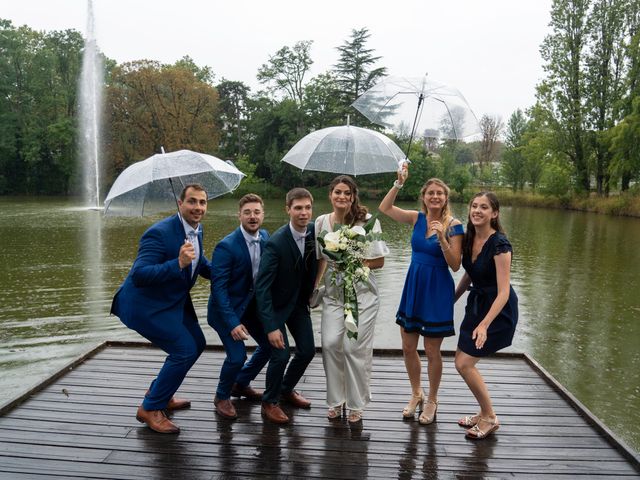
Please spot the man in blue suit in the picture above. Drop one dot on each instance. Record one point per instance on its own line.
(232, 305)
(154, 301)
(283, 287)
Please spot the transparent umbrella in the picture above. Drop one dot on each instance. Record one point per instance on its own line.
(152, 185)
(426, 107)
(347, 150)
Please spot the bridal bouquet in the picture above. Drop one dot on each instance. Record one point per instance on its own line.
(346, 247)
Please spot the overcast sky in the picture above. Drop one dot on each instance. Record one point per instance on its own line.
(488, 49)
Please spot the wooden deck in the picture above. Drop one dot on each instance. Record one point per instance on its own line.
(80, 424)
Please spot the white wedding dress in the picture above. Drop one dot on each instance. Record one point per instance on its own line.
(347, 362)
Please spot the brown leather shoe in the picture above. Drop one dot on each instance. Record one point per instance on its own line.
(273, 413)
(225, 408)
(248, 392)
(175, 403)
(178, 404)
(295, 399)
(156, 420)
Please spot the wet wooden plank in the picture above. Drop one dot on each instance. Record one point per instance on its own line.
(89, 431)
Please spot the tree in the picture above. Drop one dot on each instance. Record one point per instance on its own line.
(274, 127)
(38, 74)
(153, 105)
(233, 117)
(562, 93)
(355, 71)
(490, 129)
(321, 104)
(285, 71)
(513, 161)
(604, 79)
(624, 139)
(539, 145)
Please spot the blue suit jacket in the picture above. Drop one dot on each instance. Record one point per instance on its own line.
(231, 281)
(156, 290)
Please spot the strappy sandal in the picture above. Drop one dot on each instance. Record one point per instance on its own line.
(425, 418)
(414, 404)
(355, 416)
(469, 421)
(335, 412)
(476, 433)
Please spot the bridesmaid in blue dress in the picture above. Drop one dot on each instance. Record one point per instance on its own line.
(426, 306)
(492, 306)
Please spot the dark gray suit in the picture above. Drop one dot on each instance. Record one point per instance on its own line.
(283, 286)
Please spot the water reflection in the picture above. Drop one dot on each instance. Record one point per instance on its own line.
(345, 448)
(91, 243)
(479, 457)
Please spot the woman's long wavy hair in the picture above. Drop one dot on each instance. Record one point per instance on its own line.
(470, 235)
(357, 212)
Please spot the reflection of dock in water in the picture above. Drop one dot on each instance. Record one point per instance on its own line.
(81, 423)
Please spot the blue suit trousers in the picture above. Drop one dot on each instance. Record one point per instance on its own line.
(234, 369)
(184, 345)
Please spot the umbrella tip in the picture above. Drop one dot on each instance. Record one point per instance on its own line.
(162, 149)
(348, 119)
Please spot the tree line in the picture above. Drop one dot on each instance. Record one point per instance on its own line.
(581, 135)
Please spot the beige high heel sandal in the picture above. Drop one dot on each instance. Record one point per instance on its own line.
(414, 404)
(335, 412)
(477, 433)
(355, 416)
(425, 417)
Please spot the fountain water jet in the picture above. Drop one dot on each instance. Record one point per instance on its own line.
(91, 88)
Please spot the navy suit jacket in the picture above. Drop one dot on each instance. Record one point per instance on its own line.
(231, 281)
(156, 290)
(285, 278)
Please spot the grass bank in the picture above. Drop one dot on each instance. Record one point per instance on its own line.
(624, 204)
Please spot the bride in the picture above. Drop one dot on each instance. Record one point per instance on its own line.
(347, 362)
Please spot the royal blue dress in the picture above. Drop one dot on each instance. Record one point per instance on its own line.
(483, 291)
(426, 306)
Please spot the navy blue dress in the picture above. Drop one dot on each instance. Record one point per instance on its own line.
(482, 293)
(426, 306)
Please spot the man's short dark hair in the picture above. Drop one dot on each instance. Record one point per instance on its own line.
(195, 186)
(250, 198)
(298, 193)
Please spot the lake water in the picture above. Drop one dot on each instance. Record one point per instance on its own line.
(576, 275)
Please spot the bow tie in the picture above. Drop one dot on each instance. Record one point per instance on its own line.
(254, 242)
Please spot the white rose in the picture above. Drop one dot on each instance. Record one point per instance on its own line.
(331, 241)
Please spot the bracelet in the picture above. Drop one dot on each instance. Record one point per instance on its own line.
(397, 184)
(447, 249)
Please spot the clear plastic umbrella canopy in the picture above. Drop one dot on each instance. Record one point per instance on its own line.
(152, 185)
(345, 150)
(419, 106)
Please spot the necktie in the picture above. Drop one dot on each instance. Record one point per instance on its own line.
(254, 250)
(300, 238)
(193, 239)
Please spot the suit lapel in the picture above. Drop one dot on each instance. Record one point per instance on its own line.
(242, 245)
(295, 251)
